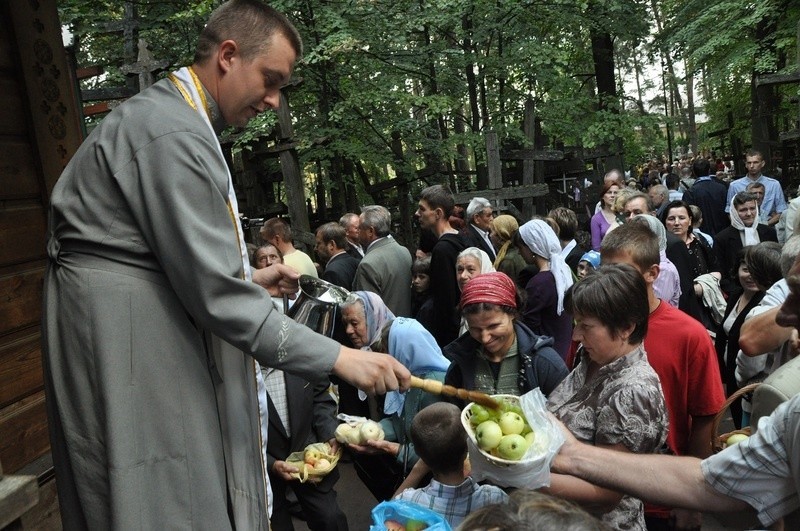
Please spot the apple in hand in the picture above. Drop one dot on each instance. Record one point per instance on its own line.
(736, 438)
(488, 434)
(511, 423)
(341, 432)
(512, 447)
(371, 431)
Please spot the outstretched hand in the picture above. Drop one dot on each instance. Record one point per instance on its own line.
(277, 279)
(561, 463)
(372, 372)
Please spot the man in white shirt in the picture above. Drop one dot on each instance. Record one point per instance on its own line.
(479, 216)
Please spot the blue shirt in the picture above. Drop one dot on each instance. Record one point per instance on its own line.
(454, 502)
(773, 195)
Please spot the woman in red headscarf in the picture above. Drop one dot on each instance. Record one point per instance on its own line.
(498, 354)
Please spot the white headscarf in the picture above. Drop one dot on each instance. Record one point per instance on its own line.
(486, 263)
(749, 234)
(542, 241)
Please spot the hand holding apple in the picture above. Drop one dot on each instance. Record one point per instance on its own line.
(285, 470)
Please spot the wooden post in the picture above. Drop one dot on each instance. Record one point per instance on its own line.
(528, 164)
(290, 166)
(494, 166)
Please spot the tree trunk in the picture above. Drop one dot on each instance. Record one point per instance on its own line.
(690, 107)
(603, 56)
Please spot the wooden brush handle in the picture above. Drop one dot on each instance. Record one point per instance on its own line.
(438, 388)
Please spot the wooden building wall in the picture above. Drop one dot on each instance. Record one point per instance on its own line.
(39, 131)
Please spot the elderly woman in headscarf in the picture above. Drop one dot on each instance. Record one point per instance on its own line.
(544, 310)
(382, 465)
(470, 263)
(667, 285)
(363, 315)
(745, 230)
(499, 354)
(508, 258)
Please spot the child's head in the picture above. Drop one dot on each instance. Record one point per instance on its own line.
(588, 264)
(421, 274)
(439, 438)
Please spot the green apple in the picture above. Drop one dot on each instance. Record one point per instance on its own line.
(415, 525)
(479, 414)
(512, 447)
(511, 423)
(736, 438)
(529, 437)
(488, 434)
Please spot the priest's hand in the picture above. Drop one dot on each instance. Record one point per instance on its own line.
(277, 279)
(371, 372)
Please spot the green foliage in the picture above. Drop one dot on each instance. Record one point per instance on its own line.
(376, 71)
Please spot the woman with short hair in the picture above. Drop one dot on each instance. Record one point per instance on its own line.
(613, 398)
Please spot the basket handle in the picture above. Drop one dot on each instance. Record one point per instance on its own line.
(730, 400)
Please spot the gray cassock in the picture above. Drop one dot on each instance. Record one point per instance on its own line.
(152, 424)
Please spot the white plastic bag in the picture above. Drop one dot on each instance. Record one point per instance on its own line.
(533, 470)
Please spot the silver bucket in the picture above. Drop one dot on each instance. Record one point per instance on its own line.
(317, 306)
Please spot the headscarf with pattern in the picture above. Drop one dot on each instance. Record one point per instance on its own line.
(376, 314)
(492, 288)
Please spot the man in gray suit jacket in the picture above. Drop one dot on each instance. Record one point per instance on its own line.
(386, 266)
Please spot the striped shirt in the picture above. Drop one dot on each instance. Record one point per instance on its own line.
(454, 502)
(764, 470)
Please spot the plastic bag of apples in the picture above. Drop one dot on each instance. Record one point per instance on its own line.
(315, 461)
(400, 515)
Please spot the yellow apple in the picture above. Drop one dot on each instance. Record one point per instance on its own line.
(736, 438)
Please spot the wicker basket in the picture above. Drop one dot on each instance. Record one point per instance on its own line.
(718, 440)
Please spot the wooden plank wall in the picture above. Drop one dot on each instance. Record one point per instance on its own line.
(39, 131)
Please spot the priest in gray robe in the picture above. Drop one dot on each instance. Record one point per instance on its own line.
(152, 321)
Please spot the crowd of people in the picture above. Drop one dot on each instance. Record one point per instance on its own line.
(635, 344)
(177, 388)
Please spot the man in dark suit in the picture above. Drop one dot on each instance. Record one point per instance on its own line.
(710, 196)
(479, 216)
(350, 222)
(300, 414)
(340, 267)
(386, 266)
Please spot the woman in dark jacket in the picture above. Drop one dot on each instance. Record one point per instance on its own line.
(499, 355)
